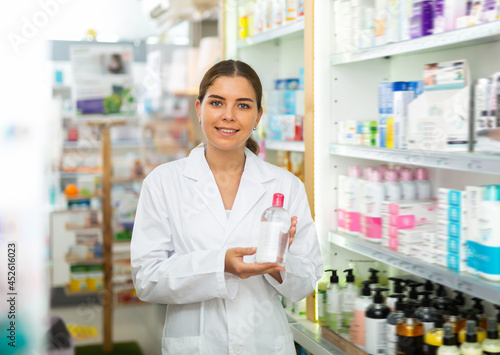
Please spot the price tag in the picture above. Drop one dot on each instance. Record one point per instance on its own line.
(475, 165)
(419, 270)
(443, 162)
(465, 286)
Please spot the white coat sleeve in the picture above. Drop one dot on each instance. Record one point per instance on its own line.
(160, 275)
(304, 264)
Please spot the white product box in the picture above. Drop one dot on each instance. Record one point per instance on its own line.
(475, 195)
(415, 207)
(441, 245)
(452, 197)
(453, 213)
(452, 229)
(440, 258)
(393, 231)
(456, 262)
(429, 238)
(411, 236)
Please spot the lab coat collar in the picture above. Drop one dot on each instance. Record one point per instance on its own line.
(255, 173)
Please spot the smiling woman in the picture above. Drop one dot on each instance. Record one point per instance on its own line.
(197, 225)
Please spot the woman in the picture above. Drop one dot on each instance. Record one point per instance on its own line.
(197, 225)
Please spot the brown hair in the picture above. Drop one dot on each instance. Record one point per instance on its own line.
(233, 68)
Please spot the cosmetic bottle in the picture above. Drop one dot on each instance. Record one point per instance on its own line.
(357, 331)
(491, 345)
(457, 322)
(429, 287)
(480, 333)
(333, 303)
(410, 333)
(424, 188)
(398, 289)
(408, 186)
(488, 247)
(412, 302)
(374, 283)
(349, 294)
(459, 301)
(321, 301)
(449, 346)
(433, 338)
(352, 193)
(477, 313)
(392, 187)
(373, 197)
(425, 313)
(441, 302)
(392, 319)
(471, 346)
(376, 324)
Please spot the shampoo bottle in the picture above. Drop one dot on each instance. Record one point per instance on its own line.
(455, 320)
(374, 284)
(373, 196)
(412, 302)
(489, 232)
(477, 313)
(410, 332)
(321, 301)
(442, 303)
(349, 294)
(392, 319)
(491, 345)
(433, 338)
(425, 313)
(459, 301)
(424, 188)
(333, 303)
(398, 289)
(357, 331)
(471, 345)
(376, 324)
(392, 187)
(449, 346)
(408, 186)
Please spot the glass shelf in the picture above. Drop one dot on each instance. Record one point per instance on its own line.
(464, 161)
(483, 33)
(288, 29)
(292, 146)
(470, 284)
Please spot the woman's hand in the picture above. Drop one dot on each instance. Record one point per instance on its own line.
(293, 229)
(235, 265)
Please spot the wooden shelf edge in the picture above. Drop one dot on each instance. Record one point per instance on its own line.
(339, 341)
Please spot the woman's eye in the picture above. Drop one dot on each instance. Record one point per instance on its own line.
(215, 103)
(244, 105)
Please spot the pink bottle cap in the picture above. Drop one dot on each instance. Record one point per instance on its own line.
(406, 175)
(354, 171)
(391, 176)
(367, 172)
(278, 200)
(420, 174)
(375, 176)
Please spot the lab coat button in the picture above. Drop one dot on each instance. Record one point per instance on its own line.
(238, 349)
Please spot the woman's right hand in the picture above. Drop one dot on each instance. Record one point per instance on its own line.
(235, 265)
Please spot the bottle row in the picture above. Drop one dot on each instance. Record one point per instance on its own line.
(408, 321)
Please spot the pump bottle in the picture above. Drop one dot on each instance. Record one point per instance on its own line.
(442, 303)
(352, 193)
(321, 301)
(491, 345)
(455, 320)
(477, 313)
(373, 197)
(449, 346)
(376, 324)
(392, 319)
(471, 345)
(398, 289)
(429, 287)
(349, 294)
(459, 301)
(374, 283)
(434, 338)
(410, 332)
(357, 333)
(333, 303)
(412, 302)
(425, 313)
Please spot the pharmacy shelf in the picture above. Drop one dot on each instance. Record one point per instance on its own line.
(278, 32)
(72, 260)
(124, 144)
(483, 33)
(292, 146)
(463, 161)
(472, 285)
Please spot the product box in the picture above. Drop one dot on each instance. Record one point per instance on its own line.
(452, 197)
(294, 102)
(429, 238)
(487, 125)
(422, 21)
(413, 207)
(456, 246)
(452, 229)
(402, 99)
(292, 127)
(456, 262)
(475, 195)
(453, 213)
(341, 203)
(393, 231)
(286, 84)
(411, 221)
(441, 244)
(411, 235)
(275, 127)
(441, 258)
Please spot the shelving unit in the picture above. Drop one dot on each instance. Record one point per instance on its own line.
(288, 29)
(292, 146)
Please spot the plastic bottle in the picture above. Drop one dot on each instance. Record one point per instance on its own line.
(477, 313)
(433, 338)
(429, 287)
(459, 301)
(410, 333)
(374, 283)
(392, 187)
(412, 302)
(480, 333)
(273, 238)
(376, 324)
(471, 345)
(408, 186)
(357, 333)
(449, 346)
(442, 303)
(398, 289)
(333, 303)
(382, 170)
(392, 319)
(489, 232)
(321, 302)
(352, 192)
(457, 322)
(349, 294)
(373, 197)
(492, 344)
(425, 313)
(424, 187)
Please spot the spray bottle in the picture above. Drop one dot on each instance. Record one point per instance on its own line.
(491, 345)
(333, 303)
(449, 346)
(349, 294)
(357, 333)
(398, 289)
(376, 324)
(471, 345)
(392, 319)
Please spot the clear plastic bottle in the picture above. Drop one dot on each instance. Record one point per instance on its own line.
(392, 319)
(392, 187)
(449, 346)
(424, 187)
(349, 294)
(408, 186)
(333, 303)
(274, 233)
(471, 345)
(491, 345)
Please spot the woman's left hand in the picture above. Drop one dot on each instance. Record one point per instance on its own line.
(293, 229)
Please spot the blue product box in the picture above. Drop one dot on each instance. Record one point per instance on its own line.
(457, 214)
(452, 229)
(455, 245)
(275, 127)
(301, 78)
(452, 197)
(286, 84)
(453, 262)
(290, 102)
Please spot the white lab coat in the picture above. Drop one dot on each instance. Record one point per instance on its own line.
(181, 233)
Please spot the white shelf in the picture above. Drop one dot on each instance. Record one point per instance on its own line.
(472, 285)
(124, 144)
(292, 146)
(483, 33)
(287, 29)
(463, 161)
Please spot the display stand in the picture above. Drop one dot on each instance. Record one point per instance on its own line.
(107, 232)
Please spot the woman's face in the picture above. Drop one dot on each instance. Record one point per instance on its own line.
(229, 113)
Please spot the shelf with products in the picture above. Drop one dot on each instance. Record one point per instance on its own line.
(287, 29)
(463, 161)
(291, 146)
(473, 35)
(469, 284)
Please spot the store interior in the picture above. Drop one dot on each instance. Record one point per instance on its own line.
(368, 103)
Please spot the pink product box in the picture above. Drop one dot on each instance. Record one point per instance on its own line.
(393, 231)
(372, 228)
(341, 218)
(413, 207)
(353, 222)
(411, 221)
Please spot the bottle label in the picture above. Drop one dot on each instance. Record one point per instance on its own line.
(273, 241)
(348, 299)
(484, 258)
(333, 301)
(376, 336)
(392, 339)
(410, 345)
(320, 299)
(357, 330)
